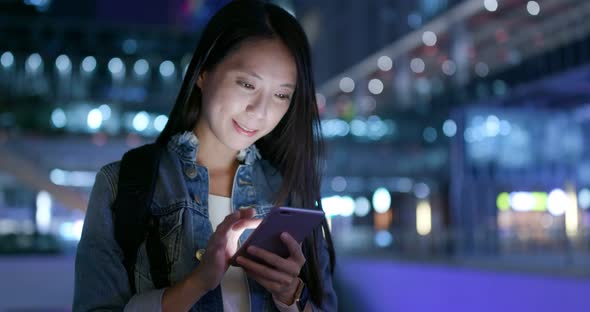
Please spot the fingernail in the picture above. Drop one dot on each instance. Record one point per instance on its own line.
(251, 249)
(283, 235)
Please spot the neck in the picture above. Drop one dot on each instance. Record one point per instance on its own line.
(215, 156)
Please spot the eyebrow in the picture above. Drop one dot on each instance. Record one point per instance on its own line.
(255, 75)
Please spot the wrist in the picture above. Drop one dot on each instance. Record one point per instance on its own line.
(290, 297)
(184, 294)
(197, 282)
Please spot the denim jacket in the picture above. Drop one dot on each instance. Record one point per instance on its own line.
(181, 202)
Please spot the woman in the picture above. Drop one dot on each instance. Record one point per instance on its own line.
(244, 132)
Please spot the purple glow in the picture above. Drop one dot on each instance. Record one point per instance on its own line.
(393, 286)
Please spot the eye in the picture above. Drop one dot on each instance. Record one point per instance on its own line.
(283, 96)
(246, 85)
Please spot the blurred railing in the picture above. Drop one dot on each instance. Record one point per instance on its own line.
(559, 256)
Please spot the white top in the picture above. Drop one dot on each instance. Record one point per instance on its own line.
(234, 285)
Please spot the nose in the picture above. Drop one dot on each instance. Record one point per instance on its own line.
(258, 107)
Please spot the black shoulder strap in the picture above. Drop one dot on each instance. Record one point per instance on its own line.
(133, 220)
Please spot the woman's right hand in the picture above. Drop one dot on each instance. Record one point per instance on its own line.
(222, 245)
(208, 275)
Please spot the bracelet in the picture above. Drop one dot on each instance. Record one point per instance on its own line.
(301, 296)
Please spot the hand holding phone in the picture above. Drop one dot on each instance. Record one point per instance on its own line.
(299, 223)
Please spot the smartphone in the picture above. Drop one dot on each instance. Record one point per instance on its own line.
(299, 223)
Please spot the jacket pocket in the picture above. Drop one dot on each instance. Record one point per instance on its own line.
(170, 229)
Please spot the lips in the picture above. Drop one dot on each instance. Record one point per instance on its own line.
(243, 130)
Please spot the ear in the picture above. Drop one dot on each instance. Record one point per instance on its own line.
(200, 79)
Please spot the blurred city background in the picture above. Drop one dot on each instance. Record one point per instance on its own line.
(458, 175)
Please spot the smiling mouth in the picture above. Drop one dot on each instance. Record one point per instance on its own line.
(243, 130)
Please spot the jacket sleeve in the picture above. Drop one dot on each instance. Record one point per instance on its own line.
(330, 300)
(101, 282)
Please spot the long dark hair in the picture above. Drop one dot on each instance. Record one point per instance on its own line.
(295, 146)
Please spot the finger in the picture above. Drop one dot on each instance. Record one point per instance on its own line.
(265, 271)
(243, 224)
(228, 222)
(294, 248)
(281, 264)
(246, 213)
(268, 284)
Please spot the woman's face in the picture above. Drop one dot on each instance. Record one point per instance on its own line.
(246, 94)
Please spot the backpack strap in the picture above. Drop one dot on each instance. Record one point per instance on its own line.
(133, 220)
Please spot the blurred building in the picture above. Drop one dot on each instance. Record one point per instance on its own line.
(456, 131)
(454, 128)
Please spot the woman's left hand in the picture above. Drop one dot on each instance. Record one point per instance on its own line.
(278, 275)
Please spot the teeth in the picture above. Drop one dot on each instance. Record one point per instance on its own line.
(245, 128)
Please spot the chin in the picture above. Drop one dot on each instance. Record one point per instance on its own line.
(239, 145)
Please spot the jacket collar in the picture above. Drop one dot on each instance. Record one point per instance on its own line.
(186, 145)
